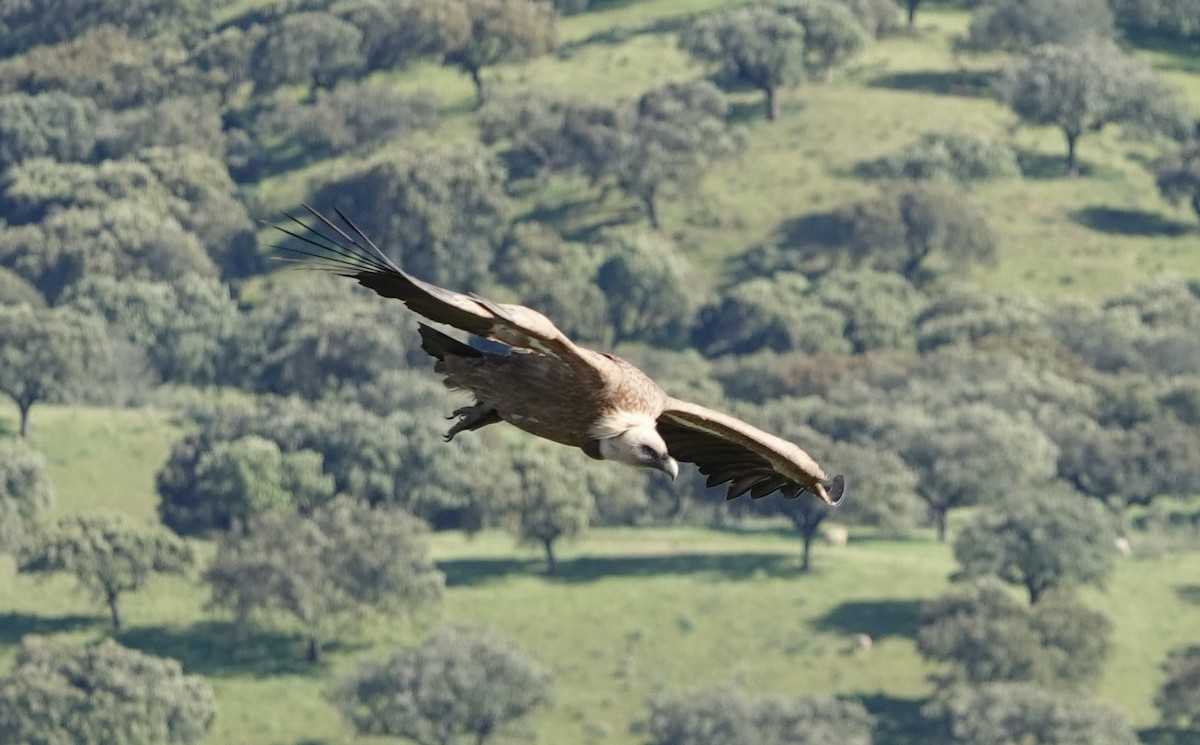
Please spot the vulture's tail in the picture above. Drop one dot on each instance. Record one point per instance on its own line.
(437, 345)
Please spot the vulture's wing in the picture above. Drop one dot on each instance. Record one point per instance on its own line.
(728, 449)
(347, 251)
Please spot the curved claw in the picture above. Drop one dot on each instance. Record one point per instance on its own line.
(831, 493)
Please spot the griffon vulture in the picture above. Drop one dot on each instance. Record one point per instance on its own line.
(540, 381)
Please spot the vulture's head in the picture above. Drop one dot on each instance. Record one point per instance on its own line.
(640, 446)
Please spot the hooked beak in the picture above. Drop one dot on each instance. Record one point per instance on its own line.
(669, 466)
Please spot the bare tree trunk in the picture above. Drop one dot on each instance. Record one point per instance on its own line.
(939, 520)
(651, 210)
(23, 427)
(480, 94)
(912, 12)
(807, 537)
(1072, 165)
(772, 103)
(551, 562)
(314, 649)
(114, 609)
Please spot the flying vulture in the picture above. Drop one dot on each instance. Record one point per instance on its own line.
(539, 381)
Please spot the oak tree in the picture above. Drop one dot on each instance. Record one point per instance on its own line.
(1084, 87)
(101, 694)
(321, 568)
(108, 553)
(25, 494)
(1003, 713)
(1179, 698)
(1039, 542)
(756, 46)
(987, 635)
(1178, 175)
(45, 355)
(459, 683)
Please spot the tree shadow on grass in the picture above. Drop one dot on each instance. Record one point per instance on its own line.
(809, 244)
(473, 572)
(617, 35)
(1128, 222)
(583, 218)
(477, 572)
(13, 626)
(1188, 593)
(825, 230)
(741, 112)
(1046, 166)
(217, 648)
(727, 566)
(1177, 54)
(1168, 736)
(876, 618)
(971, 83)
(898, 721)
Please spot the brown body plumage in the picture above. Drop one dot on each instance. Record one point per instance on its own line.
(548, 386)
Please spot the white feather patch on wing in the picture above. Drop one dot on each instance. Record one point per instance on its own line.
(617, 423)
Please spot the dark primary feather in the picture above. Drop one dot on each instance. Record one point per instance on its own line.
(344, 255)
(351, 253)
(721, 461)
(726, 449)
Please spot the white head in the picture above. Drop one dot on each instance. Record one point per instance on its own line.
(641, 446)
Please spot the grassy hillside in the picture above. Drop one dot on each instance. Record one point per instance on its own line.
(1086, 237)
(635, 612)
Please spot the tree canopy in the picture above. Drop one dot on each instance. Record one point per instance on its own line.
(183, 327)
(1178, 175)
(459, 683)
(1003, 713)
(52, 124)
(441, 212)
(832, 34)
(25, 494)
(1179, 698)
(987, 635)
(313, 49)
(1021, 25)
(732, 716)
(101, 694)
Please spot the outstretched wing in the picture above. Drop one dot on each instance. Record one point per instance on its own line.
(728, 449)
(346, 250)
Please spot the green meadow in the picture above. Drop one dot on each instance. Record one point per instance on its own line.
(634, 612)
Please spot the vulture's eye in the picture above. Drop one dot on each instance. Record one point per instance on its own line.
(649, 452)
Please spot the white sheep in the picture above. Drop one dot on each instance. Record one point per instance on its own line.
(836, 536)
